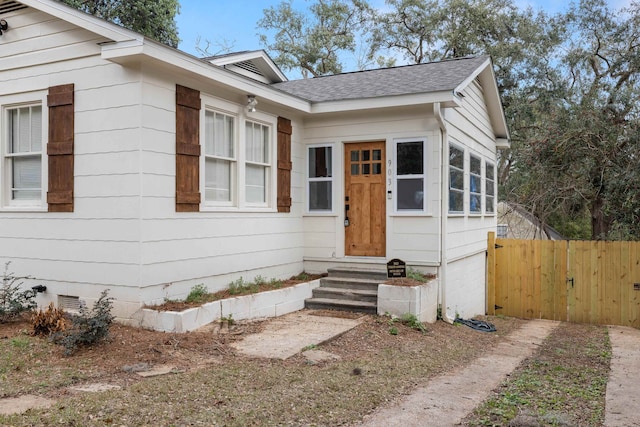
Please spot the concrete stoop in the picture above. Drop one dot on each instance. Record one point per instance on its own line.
(348, 289)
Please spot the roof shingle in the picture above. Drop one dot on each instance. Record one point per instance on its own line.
(405, 80)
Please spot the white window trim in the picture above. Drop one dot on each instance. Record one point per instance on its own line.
(481, 193)
(332, 179)
(488, 164)
(16, 101)
(464, 180)
(240, 115)
(426, 206)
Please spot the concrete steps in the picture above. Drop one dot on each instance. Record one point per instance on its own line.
(348, 289)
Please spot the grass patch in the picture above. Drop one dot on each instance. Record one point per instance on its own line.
(564, 383)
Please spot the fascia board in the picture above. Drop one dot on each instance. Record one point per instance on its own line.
(83, 20)
(494, 104)
(446, 98)
(148, 50)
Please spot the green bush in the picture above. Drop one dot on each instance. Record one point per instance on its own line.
(88, 327)
(197, 294)
(14, 301)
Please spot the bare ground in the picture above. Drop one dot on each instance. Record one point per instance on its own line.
(212, 385)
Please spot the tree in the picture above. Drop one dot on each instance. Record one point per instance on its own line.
(313, 41)
(582, 148)
(153, 18)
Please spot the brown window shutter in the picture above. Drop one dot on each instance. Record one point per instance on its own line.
(187, 149)
(284, 165)
(60, 148)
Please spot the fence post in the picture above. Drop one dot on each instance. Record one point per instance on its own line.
(491, 274)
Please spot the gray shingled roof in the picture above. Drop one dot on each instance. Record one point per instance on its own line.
(405, 80)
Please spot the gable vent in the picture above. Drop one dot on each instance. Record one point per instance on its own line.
(69, 303)
(10, 6)
(249, 66)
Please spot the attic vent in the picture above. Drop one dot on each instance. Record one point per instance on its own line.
(10, 6)
(69, 303)
(249, 66)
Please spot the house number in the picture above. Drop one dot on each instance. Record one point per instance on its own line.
(389, 173)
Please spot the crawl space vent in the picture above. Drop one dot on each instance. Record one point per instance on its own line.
(10, 6)
(69, 303)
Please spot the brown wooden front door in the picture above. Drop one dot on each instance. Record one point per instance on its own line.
(365, 203)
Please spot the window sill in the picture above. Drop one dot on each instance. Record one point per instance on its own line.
(456, 215)
(411, 214)
(319, 213)
(25, 209)
(235, 209)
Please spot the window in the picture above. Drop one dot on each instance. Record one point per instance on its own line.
(410, 175)
(320, 177)
(257, 162)
(475, 184)
(503, 229)
(489, 197)
(237, 169)
(456, 180)
(220, 161)
(23, 155)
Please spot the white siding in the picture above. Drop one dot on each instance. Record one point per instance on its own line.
(413, 238)
(181, 249)
(99, 242)
(465, 288)
(469, 127)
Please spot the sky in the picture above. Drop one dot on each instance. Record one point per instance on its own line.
(233, 22)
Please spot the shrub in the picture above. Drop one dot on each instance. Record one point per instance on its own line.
(14, 301)
(239, 286)
(48, 322)
(88, 327)
(197, 294)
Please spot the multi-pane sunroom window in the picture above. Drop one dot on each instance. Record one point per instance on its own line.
(490, 188)
(220, 161)
(456, 180)
(475, 184)
(23, 158)
(257, 162)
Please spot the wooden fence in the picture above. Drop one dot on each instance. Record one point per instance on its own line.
(575, 281)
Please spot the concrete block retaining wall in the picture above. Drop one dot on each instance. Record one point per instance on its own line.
(421, 301)
(255, 306)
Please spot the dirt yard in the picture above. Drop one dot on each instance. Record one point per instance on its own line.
(376, 363)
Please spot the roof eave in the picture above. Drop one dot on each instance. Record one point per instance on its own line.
(157, 53)
(84, 20)
(487, 78)
(445, 98)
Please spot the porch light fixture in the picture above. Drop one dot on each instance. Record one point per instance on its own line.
(251, 103)
(3, 26)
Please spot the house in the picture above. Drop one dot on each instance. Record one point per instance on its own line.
(132, 166)
(515, 222)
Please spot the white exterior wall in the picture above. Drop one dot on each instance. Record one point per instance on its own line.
(413, 237)
(214, 246)
(465, 291)
(97, 246)
(124, 234)
(469, 127)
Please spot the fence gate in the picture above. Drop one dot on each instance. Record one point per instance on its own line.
(576, 281)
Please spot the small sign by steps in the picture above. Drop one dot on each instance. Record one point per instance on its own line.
(396, 268)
